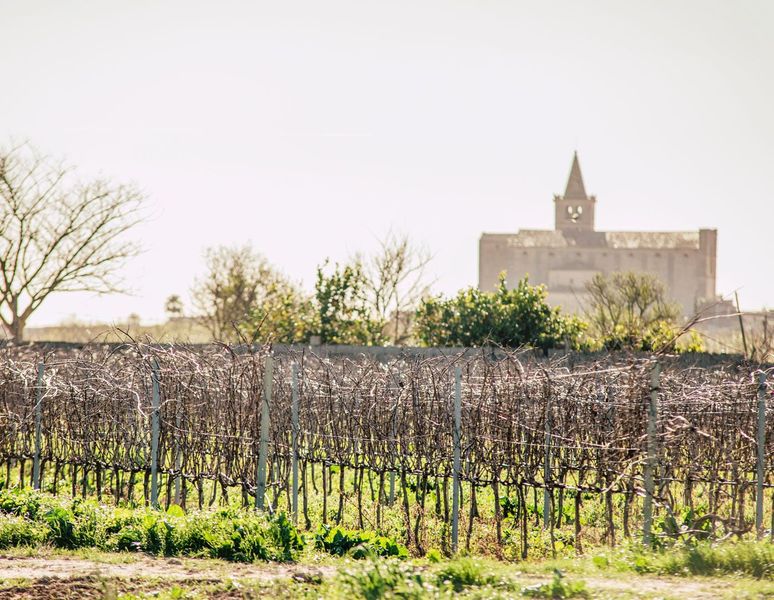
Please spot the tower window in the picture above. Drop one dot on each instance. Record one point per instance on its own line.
(574, 213)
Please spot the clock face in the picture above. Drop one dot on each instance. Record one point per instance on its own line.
(574, 213)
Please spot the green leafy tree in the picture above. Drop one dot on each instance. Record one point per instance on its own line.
(505, 317)
(631, 311)
(342, 312)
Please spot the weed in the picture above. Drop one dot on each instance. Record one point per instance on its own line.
(558, 587)
(382, 578)
(464, 572)
(358, 544)
(239, 535)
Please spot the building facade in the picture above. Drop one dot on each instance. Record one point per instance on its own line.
(567, 257)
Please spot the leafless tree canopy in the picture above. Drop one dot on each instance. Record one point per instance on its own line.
(628, 300)
(396, 281)
(236, 280)
(58, 234)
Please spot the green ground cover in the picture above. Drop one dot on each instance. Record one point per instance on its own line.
(238, 553)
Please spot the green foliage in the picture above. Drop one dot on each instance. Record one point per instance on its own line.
(230, 534)
(384, 579)
(559, 587)
(749, 558)
(434, 556)
(20, 531)
(20, 502)
(343, 314)
(630, 311)
(284, 315)
(508, 506)
(61, 526)
(241, 295)
(358, 544)
(688, 523)
(505, 317)
(390, 578)
(464, 572)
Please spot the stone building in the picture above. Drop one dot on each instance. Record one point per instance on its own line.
(568, 256)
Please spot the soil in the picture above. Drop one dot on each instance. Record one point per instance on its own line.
(75, 577)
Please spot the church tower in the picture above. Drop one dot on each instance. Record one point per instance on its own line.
(575, 210)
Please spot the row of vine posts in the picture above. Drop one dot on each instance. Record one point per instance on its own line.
(260, 432)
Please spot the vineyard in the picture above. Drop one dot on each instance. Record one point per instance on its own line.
(507, 454)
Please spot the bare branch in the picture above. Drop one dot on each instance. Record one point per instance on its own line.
(58, 234)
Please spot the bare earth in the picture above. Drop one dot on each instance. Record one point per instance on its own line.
(76, 577)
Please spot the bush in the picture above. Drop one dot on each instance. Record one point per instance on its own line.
(504, 317)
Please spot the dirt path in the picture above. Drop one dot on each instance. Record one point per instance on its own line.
(149, 567)
(64, 576)
(74, 577)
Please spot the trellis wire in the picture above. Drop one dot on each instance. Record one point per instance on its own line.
(517, 422)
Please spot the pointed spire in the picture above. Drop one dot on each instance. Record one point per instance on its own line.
(575, 189)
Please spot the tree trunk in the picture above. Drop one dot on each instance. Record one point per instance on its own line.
(16, 328)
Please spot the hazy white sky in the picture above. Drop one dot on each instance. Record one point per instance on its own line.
(312, 128)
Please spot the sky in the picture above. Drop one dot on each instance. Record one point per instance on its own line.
(312, 129)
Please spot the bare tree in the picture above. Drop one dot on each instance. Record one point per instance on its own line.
(396, 282)
(625, 306)
(58, 234)
(236, 282)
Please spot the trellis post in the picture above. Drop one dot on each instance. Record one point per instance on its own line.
(650, 462)
(38, 417)
(391, 495)
(456, 435)
(155, 417)
(178, 457)
(761, 454)
(263, 448)
(547, 467)
(294, 415)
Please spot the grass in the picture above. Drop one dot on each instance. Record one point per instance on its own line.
(747, 558)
